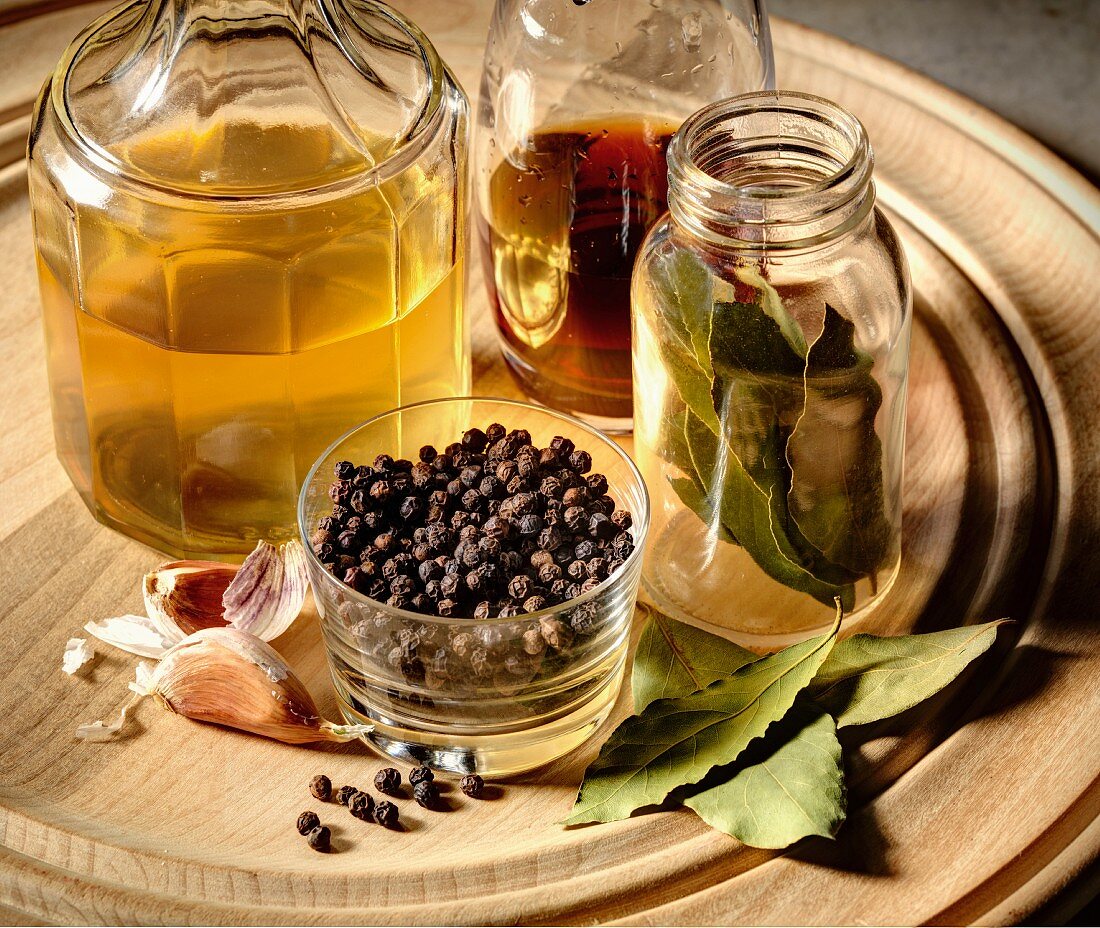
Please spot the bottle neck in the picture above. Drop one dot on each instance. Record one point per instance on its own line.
(187, 15)
(770, 171)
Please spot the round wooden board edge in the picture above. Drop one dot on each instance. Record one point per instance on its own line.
(1059, 179)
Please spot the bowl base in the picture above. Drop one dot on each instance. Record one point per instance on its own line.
(493, 755)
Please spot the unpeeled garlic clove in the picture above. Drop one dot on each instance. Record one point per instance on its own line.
(263, 596)
(182, 597)
(229, 677)
(268, 591)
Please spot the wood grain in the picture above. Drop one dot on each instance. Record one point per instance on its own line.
(977, 809)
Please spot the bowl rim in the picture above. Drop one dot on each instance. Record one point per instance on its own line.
(640, 520)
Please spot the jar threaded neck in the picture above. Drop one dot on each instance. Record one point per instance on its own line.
(773, 170)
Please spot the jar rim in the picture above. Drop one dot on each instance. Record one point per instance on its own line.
(418, 136)
(857, 165)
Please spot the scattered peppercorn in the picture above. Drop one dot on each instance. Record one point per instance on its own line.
(361, 805)
(421, 775)
(426, 794)
(344, 794)
(321, 787)
(472, 785)
(388, 781)
(386, 814)
(307, 821)
(320, 838)
(475, 530)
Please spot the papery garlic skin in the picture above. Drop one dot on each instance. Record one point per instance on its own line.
(77, 654)
(185, 596)
(229, 677)
(137, 634)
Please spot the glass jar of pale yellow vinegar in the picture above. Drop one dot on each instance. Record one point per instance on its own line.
(771, 315)
(250, 229)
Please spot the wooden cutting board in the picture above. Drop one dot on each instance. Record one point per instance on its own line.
(976, 808)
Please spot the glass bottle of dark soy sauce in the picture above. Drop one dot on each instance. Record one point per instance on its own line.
(578, 105)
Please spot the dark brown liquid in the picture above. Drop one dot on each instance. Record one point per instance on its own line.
(567, 217)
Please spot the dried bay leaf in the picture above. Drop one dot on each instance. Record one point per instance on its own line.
(787, 783)
(788, 786)
(684, 288)
(836, 493)
(676, 742)
(771, 303)
(675, 659)
(867, 678)
(738, 401)
(755, 513)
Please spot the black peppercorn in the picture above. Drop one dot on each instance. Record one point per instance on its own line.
(388, 781)
(474, 440)
(307, 821)
(574, 497)
(533, 642)
(426, 794)
(421, 774)
(548, 459)
(623, 545)
(549, 538)
(597, 484)
(411, 507)
(361, 805)
(580, 461)
(319, 838)
(385, 813)
(344, 794)
(601, 527)
(555, 632)
(321, 787)
(563, 446)
(430, 570)
(521, 587)
(549, 573)
(535, 603)
(472, 785)
(529, 525)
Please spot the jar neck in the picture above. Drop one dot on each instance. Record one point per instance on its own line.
(770, 171)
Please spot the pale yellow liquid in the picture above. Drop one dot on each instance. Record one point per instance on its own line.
(201, 360)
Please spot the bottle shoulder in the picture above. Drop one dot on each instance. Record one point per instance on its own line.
(235, 102)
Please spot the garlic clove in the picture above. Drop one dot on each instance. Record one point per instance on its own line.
(137, 634)
(77, 654)
(269, 590)
(183, 596)
(229, 677)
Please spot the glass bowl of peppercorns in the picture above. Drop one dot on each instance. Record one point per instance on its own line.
(475, 564)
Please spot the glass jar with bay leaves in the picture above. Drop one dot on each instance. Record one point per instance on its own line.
(771, 315)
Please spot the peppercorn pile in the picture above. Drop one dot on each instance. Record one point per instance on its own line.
(490, 527)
